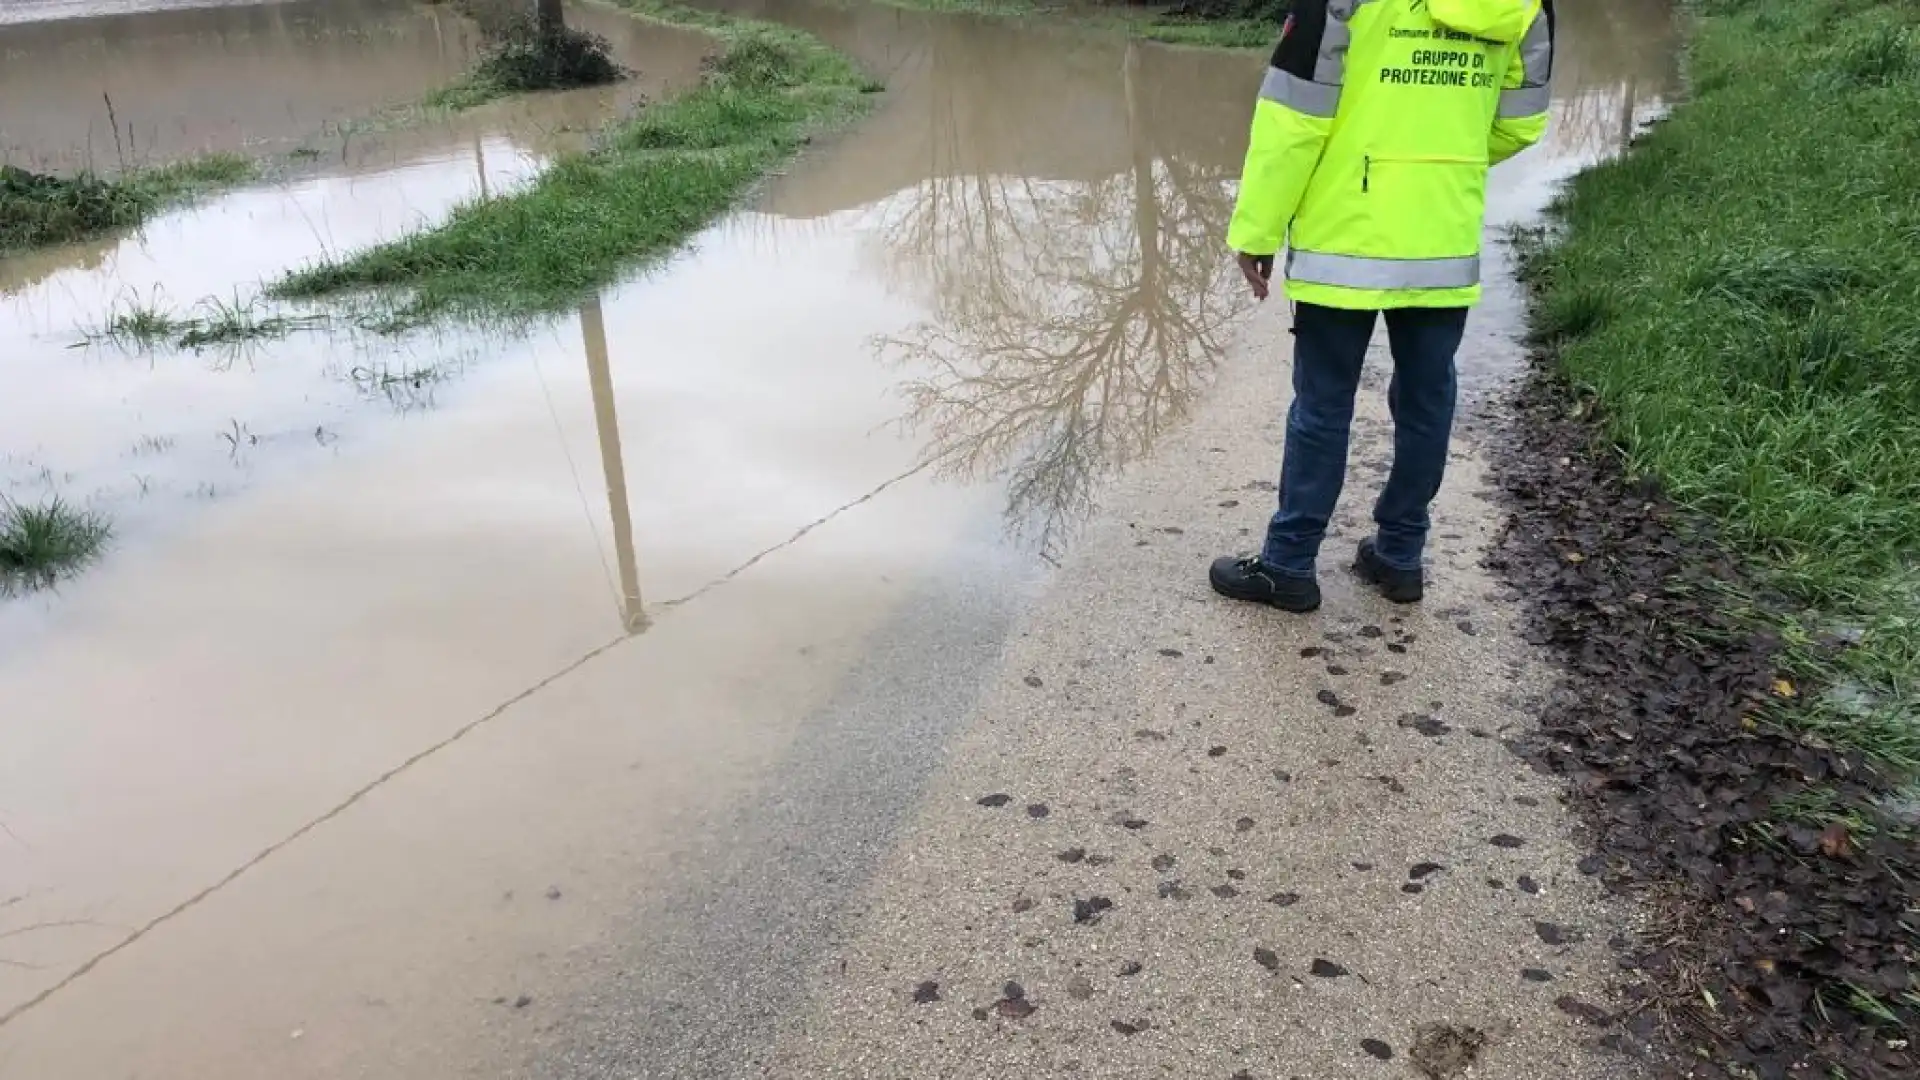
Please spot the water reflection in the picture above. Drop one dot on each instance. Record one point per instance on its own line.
(606, 422)
(1060, 205)
(1616, 64)
(1072, 323)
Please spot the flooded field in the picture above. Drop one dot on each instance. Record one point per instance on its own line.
(440, 688)
(107, 91)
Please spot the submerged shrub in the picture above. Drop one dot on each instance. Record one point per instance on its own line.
(521, 56)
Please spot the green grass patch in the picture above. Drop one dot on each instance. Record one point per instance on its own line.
(1738, 293)
(1213, 24)
(41, 543)
(650, 183)
(38, 210)
(1228, 34)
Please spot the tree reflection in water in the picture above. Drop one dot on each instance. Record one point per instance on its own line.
(1073, 323)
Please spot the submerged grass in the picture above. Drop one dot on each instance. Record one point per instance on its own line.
(1739, 294)
(43, 542)
(144, 323)
(650, 183)
(37, 210)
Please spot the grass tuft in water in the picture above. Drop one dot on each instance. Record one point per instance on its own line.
(234, 322)
(141, 322)
(1737, 293)
(145, 324)
(38, 210)
(649, 184)
(43, 542)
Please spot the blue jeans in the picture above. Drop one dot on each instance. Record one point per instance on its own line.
(1330, 346)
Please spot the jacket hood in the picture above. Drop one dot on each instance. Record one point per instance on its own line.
(1505, 21)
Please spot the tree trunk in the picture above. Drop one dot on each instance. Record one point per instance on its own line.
(551, 18)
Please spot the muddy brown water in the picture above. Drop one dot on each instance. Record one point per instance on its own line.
(382, 743)
(108, 87)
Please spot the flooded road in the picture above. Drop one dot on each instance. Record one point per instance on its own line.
(385, 743)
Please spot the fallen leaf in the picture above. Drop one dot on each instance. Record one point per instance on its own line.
(1835, 843)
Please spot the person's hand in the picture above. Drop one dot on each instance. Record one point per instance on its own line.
(1257, 269)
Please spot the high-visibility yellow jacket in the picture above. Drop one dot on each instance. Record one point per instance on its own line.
(1372, 136)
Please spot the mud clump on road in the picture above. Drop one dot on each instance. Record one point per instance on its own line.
(1788, 944)
(1442, 1051)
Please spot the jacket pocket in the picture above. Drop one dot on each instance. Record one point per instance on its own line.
(1423, 207)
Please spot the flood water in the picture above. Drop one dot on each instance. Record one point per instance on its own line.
(441, 692)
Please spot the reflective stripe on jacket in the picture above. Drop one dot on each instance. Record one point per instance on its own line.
(1372, 136)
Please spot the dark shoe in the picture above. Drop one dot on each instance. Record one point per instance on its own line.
(1249, 579)
(1399, 586)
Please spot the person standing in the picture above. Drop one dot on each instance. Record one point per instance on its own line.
(1372, 136)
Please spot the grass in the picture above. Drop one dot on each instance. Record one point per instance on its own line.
(1215, 24)
(44, 542)
(1224, 34)
(650, 183)
(37, 210)
(145, 324)
(1738, 293)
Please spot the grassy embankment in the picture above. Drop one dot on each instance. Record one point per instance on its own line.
(649, 184)
(1740, 297)
(37, 210)
(1217, 24)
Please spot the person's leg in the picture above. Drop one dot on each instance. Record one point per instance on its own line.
(1329, 349)
(1421, 399)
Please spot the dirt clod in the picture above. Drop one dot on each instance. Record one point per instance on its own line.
(1088, 911)
(1012, 1008)
(1444, 1051)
